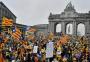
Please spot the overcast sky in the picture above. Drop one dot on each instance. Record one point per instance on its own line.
(32, 12)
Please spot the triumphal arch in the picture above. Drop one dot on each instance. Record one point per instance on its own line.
(69, 16)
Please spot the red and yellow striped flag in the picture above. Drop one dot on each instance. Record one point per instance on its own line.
(64, 39)
(6, 39)
(17, 34)
(7, 22)
(30, 37)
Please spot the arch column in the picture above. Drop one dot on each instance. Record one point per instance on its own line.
(63, 27)
(74, 28)
(87, 32)
(51, 27)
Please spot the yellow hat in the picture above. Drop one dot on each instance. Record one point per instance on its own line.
(59, 48)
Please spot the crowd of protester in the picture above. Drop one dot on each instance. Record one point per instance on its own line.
(73, 49)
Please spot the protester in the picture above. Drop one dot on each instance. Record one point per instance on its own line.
(66, 48)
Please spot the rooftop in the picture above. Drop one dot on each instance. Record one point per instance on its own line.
(69, 11)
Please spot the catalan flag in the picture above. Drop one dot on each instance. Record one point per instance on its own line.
(5, 39)
(15, 36)
(30, 37)
(16, 33)
(7, 22)
(64, 39)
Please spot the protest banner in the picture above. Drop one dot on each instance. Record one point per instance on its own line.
(49, 50)
(35, 49)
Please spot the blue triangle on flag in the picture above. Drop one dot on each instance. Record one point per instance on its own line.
(13, 29)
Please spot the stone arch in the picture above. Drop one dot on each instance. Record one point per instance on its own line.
(69, 28)
(81, 29)
(57, 28)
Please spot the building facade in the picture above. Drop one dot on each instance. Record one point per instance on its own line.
(5, 12)
(41, 28)
(69, 16)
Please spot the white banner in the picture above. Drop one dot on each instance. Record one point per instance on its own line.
(35, 49)
(49, 50)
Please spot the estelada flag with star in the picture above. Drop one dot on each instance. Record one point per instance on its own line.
(16, 33)
(7, 22)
